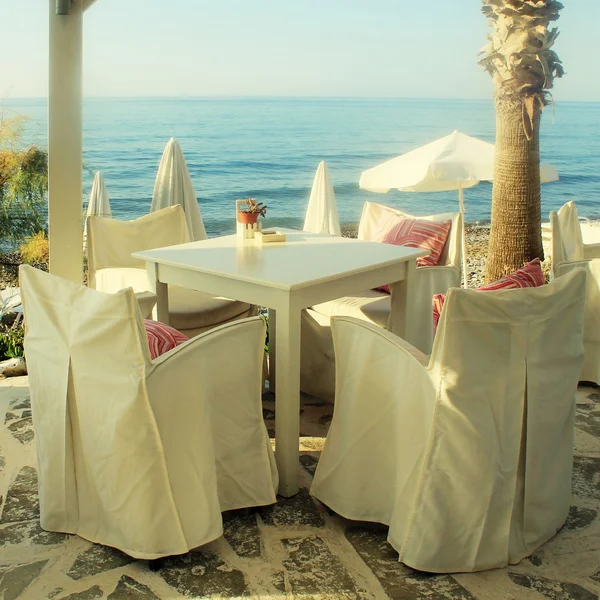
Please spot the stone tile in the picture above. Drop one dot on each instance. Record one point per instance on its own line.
(596, 575)
(588, 418)
(130, 589)
(268, 414)
(29, 532)
(15, 578)
(554, 590)
(595, 396)
(10, 416)
(586, 476)
(55, 592)
(309, 463)
(579, 517)
(297, 510)
(200, 574)
(89, 594)
(98, 559)
(240, 529)
(22, 430)
(22, 502)
(277, 579)
(313, 569)
(398, 580)
(20, 404)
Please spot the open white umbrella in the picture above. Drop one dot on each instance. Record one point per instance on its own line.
(454, 162)
(174, 186)
(98, 204)
(322, 214)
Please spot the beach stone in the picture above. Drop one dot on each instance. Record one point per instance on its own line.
(586, 476)
(399, 581)
(588, 418)
(297, 510)
(22, 503)
(55, 592)
(98, 559)
(277, 579)
(10, 416)
(15, 578)
(89, 594)
(22, 430)
(309, 463)
(240, 529)
(596, 575)
(30, 532)
(595, 396)
(554, 590)
(313, 569)
(579, 517)
(200, 574)
(130, 589)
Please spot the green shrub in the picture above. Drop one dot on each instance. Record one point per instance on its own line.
(11, 341)
(35, 250)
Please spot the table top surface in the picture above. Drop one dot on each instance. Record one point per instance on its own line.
(302, 260)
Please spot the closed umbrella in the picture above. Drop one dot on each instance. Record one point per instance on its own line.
(322, 214)
(174, 186)
(98, 204)
(454, 162)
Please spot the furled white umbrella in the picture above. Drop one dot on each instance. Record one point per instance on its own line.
(98, 204)
(174, 186)
(322, 214)
(454, 162)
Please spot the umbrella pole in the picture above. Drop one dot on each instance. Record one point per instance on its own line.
(461, 202)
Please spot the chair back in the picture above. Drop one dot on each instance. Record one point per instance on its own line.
(87, 358)
(507, 364)
(567, 241)
(111, 242)
(373, 214)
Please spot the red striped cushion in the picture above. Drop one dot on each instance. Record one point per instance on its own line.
(413, 233)
(162, 338)
(529, 275)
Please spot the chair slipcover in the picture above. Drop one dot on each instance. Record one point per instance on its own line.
(317, 368)
(111, 267)
(138, 454)
(468, 460)
(568, 253)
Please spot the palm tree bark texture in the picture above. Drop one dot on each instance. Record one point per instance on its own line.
(519, 58)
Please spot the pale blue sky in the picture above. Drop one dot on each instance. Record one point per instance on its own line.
(284, 47)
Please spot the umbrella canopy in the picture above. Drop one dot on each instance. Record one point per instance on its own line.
(174, 186)
(454, 162)
(322, 214)
(98, 204)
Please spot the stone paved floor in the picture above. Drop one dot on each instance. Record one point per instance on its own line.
(295, 549)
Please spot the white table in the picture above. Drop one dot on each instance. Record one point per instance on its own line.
(286, 277)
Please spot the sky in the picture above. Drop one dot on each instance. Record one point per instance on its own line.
(383, 48)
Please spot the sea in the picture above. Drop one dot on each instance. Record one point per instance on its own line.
(269, 149)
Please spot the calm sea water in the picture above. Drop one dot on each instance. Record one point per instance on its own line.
(270, 149)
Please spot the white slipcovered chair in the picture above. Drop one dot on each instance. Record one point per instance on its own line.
(468, 456)
(569, 252)
(317, 367)
(140, 454)
(111, 268)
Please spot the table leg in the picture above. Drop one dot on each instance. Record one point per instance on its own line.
(287, 400)
(161, 310)
(272, 348)
(401, 322)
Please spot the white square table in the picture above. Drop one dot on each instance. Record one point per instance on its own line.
(286, 277)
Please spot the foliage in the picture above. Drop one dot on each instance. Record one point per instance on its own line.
(35, 250)
(23, 183)
(518, 55)
(11, 341)
(255, 207)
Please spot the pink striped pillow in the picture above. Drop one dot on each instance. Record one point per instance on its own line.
(414, 233)
(529, 275)
(162, 338)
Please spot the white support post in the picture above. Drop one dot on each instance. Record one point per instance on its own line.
(461, 202)
(65, 142)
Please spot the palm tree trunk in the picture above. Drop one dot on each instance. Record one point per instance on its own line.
(516, 230)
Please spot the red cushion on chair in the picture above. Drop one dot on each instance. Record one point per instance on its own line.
(414, 233)
(162, 338)
(529, 275)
